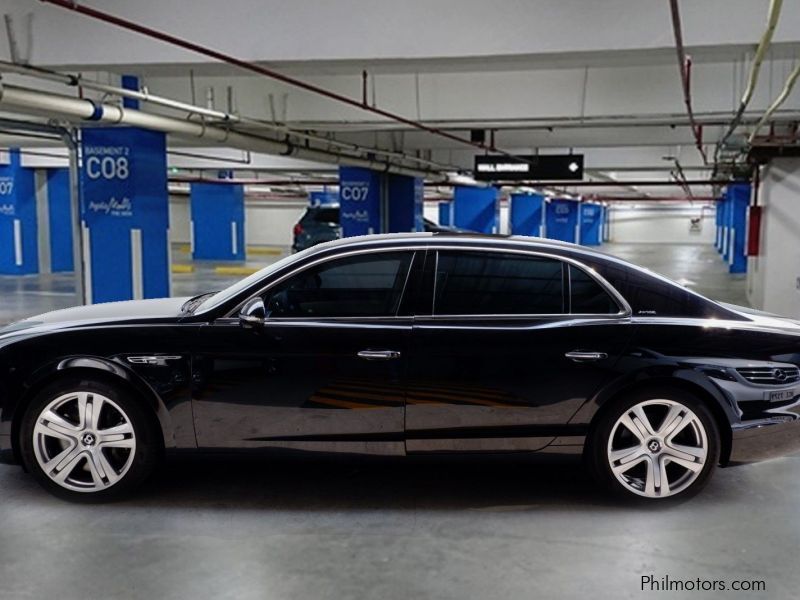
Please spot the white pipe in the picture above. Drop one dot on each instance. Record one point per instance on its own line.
(787, 89)
(227, 117)
(755, 67)
(33, 101)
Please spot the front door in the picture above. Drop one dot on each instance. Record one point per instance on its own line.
(325, 372)
(514, 345)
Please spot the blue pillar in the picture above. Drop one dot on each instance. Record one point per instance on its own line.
(739, 200)
(718, 224)
(217, 211)
(526, 214)
(125, 211)
(591, 223)
(561, 219)
(724, 218)
(446, 214)
(324, 197)
(360, 193)
(19, 253)
(476, 209)
(405, 203)
(59, 201)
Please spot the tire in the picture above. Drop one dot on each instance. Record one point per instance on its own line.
(80, 455)
(653, 436)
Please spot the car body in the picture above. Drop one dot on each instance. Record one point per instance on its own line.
(320, 223)
(422, 343)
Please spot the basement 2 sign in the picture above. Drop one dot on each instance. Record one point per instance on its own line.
(539, 167)
(125, 211)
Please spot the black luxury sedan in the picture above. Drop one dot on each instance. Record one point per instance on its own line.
(406, 344)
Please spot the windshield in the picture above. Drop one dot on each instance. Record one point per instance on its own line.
(221, 297)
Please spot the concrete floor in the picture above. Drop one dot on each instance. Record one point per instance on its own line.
(340, 528)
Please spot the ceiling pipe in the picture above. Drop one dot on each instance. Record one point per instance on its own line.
(755, 67)
(685, 68)
(36, 102)
(191, 109)
(618, 183)
(261, 70)
(787, 89)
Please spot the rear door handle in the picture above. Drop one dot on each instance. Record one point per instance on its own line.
(585, 356)
(379, 354)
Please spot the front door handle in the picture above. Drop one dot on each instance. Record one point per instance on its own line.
(585, 356)
(379, 354)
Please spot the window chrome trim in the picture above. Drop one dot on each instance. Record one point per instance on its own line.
(625, 309)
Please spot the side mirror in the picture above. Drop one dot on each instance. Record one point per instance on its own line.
(253, 313)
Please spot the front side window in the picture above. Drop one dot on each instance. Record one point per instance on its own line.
(368, 285)
(495, 283)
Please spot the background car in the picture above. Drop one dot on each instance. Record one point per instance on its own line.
(408, 344)
(321, 224)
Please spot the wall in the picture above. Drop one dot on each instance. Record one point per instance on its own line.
(267, 222)
(772, 277)
(661, 224)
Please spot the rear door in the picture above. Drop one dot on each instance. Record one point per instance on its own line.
(511, 347)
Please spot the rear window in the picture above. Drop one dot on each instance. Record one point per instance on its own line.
(651, 296)
(587, 296)
(325, 215)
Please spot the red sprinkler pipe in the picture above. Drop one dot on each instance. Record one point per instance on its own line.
(243, 64)
(685, 68)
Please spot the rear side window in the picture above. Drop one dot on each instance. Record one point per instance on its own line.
(587, 297)
(369, 285)
(493, 283)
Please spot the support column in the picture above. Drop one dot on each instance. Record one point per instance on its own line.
(324, 197)
(476, 209)
(739, 200)
(360, 196)
(406, 196)
(217, 221)
(125, 211)
(59, 220)
(591, 221)
(561, 220)
(19, 253)
(526, 214)
(446, 213)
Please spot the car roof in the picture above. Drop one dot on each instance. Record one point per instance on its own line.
(465, 239)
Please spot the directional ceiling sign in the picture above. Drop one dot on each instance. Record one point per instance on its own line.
(539, 167)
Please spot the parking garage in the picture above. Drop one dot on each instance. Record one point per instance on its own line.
(148, 152)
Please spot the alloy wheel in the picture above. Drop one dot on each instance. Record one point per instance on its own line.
(657, 448)
(84, 441)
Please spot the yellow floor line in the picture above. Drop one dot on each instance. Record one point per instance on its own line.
(185, 248)
(264, 250)
(234, 270)
(182, 268)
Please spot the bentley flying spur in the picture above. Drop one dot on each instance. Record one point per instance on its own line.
(408, 344)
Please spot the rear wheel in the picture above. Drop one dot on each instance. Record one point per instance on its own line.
(655, 446)
(88, 441)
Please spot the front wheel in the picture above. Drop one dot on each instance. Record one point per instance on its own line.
(655, 446)
(87, 441)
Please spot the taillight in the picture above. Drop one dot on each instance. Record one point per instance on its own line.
(298, 229)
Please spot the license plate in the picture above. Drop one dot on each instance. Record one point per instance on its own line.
(781, 395)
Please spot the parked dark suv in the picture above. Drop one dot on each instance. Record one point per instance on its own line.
(321, 224)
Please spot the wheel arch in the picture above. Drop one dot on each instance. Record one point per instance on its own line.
(607, 400)
(96, 368)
